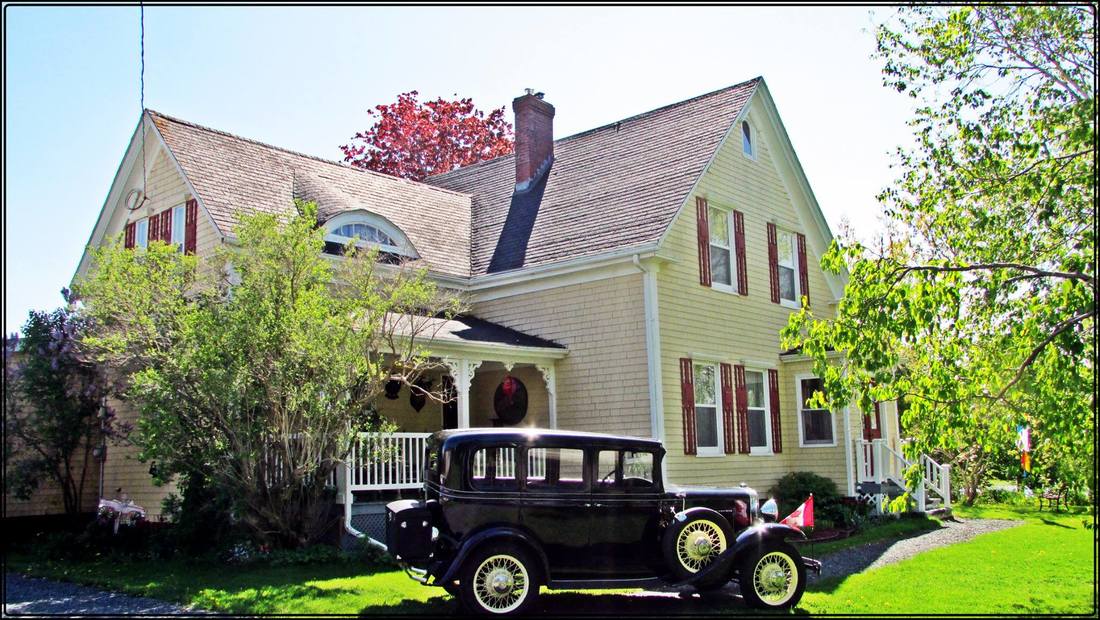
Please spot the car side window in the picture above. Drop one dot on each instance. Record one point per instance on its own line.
(620, 470)
(555, 470)
(608, 470)
(494, 469)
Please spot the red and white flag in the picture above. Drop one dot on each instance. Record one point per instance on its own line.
(803, 516)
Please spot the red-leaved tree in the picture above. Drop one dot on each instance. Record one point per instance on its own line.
(414, 140)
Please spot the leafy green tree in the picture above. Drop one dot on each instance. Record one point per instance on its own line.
(54, 408)
(978, 306)
(257, 371)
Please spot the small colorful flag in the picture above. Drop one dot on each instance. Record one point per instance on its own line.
(1023, 442)
(803, 516)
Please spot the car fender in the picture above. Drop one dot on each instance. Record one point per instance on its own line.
(758, 534)
(493, 534)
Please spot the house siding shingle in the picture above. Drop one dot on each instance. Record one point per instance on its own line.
(700, 321)
(602, 385)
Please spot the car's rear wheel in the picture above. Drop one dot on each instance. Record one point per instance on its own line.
(772, 576)
(692, 544)
(499, 579)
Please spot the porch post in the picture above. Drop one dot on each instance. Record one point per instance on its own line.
(548, 375)
(462, 371)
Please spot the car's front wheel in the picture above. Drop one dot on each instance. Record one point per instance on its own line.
(499, 579)
(772, 576)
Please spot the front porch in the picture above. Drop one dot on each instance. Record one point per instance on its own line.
(489, 376)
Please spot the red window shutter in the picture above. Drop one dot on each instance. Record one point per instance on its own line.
(687, 396)
(773, 398)
(727, 407)
(167, 226)
(131, 235)
(190, 236)
(803, 269)
(742, 409)
(773, 260)
(739, 249)
(703, 228)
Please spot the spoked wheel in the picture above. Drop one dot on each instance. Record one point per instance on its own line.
(499, 580)
(691, 545)
(773, 577)
(699, 543)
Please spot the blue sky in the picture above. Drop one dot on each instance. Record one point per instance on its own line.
(303, 78)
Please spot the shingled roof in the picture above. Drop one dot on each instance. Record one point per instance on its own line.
(612, 187)
(231, 174)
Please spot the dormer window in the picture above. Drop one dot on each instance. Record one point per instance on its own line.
(363, 233)
(746, 141)
(368, 230)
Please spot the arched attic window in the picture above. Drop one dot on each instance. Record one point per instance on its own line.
(747, 145)
(368, 230)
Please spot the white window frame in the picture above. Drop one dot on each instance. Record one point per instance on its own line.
(719, 449)
(798, 408)
(179, 223)
(766, 449)
(403, 246)
(732, 249)
(797, 301)
(141, 233)
(751, 154)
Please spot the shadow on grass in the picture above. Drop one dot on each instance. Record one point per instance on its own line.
(592, 603)
(1056, 524)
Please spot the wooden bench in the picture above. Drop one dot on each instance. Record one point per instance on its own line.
(1054, 497)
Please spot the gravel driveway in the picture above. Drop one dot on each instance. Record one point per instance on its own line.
(874, 555)
(26, 595)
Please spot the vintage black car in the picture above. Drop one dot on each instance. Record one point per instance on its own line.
(507, 511)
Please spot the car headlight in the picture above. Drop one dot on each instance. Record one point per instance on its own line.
(770, 510)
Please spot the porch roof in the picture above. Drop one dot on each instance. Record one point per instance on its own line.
(468, 334)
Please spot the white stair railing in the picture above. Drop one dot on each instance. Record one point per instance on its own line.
(937, 478)
(865, 460)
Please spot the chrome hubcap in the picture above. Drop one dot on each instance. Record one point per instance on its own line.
(500, 580)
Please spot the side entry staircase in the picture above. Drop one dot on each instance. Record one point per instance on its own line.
(880, 474)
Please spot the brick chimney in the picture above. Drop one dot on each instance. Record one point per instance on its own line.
(534, 138)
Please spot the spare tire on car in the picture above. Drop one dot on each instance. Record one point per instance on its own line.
(692, 541)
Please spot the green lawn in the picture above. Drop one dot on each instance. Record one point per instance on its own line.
(1043, 566)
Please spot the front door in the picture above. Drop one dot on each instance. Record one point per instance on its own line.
(872, 424)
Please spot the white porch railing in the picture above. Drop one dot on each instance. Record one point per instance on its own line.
(877, 462)
(391, 461)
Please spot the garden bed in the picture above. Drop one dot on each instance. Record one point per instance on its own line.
(824, 535)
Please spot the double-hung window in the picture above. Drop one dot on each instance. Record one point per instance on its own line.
(759, 422)
(178, 226)
(708, 410)
(788, 268)
(722, 257)
(815, 426)
(141, 233)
